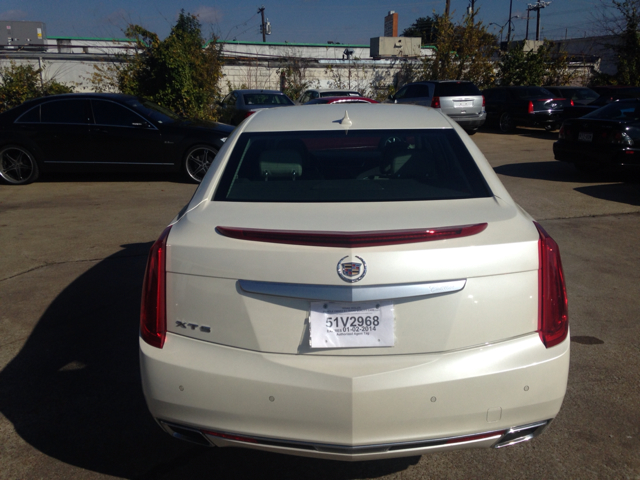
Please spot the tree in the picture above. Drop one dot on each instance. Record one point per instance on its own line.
(181, 72)
(542, 66)
(423, 27)
(462, 52)
(19, 83)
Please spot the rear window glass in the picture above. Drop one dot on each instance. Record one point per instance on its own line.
(339, 93)
(527, 92)
(64, 111)
(266, 99)
(624, 110)
(351, 166)
(455, 89)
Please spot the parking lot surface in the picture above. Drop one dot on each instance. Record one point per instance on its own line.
(74, 251)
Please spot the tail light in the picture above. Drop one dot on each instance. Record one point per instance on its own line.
(530, 109)
(562, 133)
(249, 113)
(553, 312)
(153, 313)
(621, 138)
(435, 102)
(483, 102)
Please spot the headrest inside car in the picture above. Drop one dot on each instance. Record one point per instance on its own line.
(280, 163)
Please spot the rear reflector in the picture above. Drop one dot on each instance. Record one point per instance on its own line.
(153, 314)
(553, 312)
(351, 239)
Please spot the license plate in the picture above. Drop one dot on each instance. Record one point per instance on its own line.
(585, 136)
(463, 104)
(343, 325)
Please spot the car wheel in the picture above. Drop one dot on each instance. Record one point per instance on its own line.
(471, 131)
(197, 161)
(18, 166)
(506, 122)
(550, 128)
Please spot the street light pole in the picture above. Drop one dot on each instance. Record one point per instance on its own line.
(509, 30)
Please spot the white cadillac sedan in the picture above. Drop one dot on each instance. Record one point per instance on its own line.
(353, 285)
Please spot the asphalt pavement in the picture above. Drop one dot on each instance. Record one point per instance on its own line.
(74, 250)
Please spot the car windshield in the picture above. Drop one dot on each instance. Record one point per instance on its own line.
(266, 99)
(350, 166)
(626, 111)
(153, 111)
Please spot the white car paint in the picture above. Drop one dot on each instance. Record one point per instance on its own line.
(236, 367)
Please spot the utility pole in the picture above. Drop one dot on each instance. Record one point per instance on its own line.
(262, 28)
(537, 7)
(447, 6)
(509, 29)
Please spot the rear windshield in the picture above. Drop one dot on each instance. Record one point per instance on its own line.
(350, 166)
(266, 99)
(528, 92)
(456, 89)
(624, 110)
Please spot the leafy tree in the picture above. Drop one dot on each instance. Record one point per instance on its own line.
(181, 72)
(424, 27)
(19, 83)
(462, 52)
(542, 66)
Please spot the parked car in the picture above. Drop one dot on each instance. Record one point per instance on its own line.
(509, 107)
(462, 101)
(327, 100)
(314, 93)
(353, 286)
(240, 104)
(606, 138)
(577, 95)
(608, 94)
(103, 132)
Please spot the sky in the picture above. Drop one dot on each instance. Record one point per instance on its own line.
(294, 21)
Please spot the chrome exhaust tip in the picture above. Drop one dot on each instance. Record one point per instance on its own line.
(521, 434)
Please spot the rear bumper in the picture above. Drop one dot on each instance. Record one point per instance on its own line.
(351, 405)
(470, 121)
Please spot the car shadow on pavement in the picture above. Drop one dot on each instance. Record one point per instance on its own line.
(524, 132)
(564, 172)
(106, 177)
(73, 392)
(622, 193)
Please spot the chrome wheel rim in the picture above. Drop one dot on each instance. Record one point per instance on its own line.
(198, 162)
(505, 122)
(16, 165)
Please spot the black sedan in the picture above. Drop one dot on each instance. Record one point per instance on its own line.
(103, 132)
(606, 138)
(241, 104)
(510, 107)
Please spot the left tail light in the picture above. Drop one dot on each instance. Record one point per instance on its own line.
(553, 312)
(435, 102)
(153, 311)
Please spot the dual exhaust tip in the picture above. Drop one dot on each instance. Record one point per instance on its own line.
(506, 438)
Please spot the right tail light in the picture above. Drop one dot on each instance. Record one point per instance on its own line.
(553, 312)
(435, 102)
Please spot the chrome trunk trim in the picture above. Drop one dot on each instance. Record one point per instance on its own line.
(336, 293)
